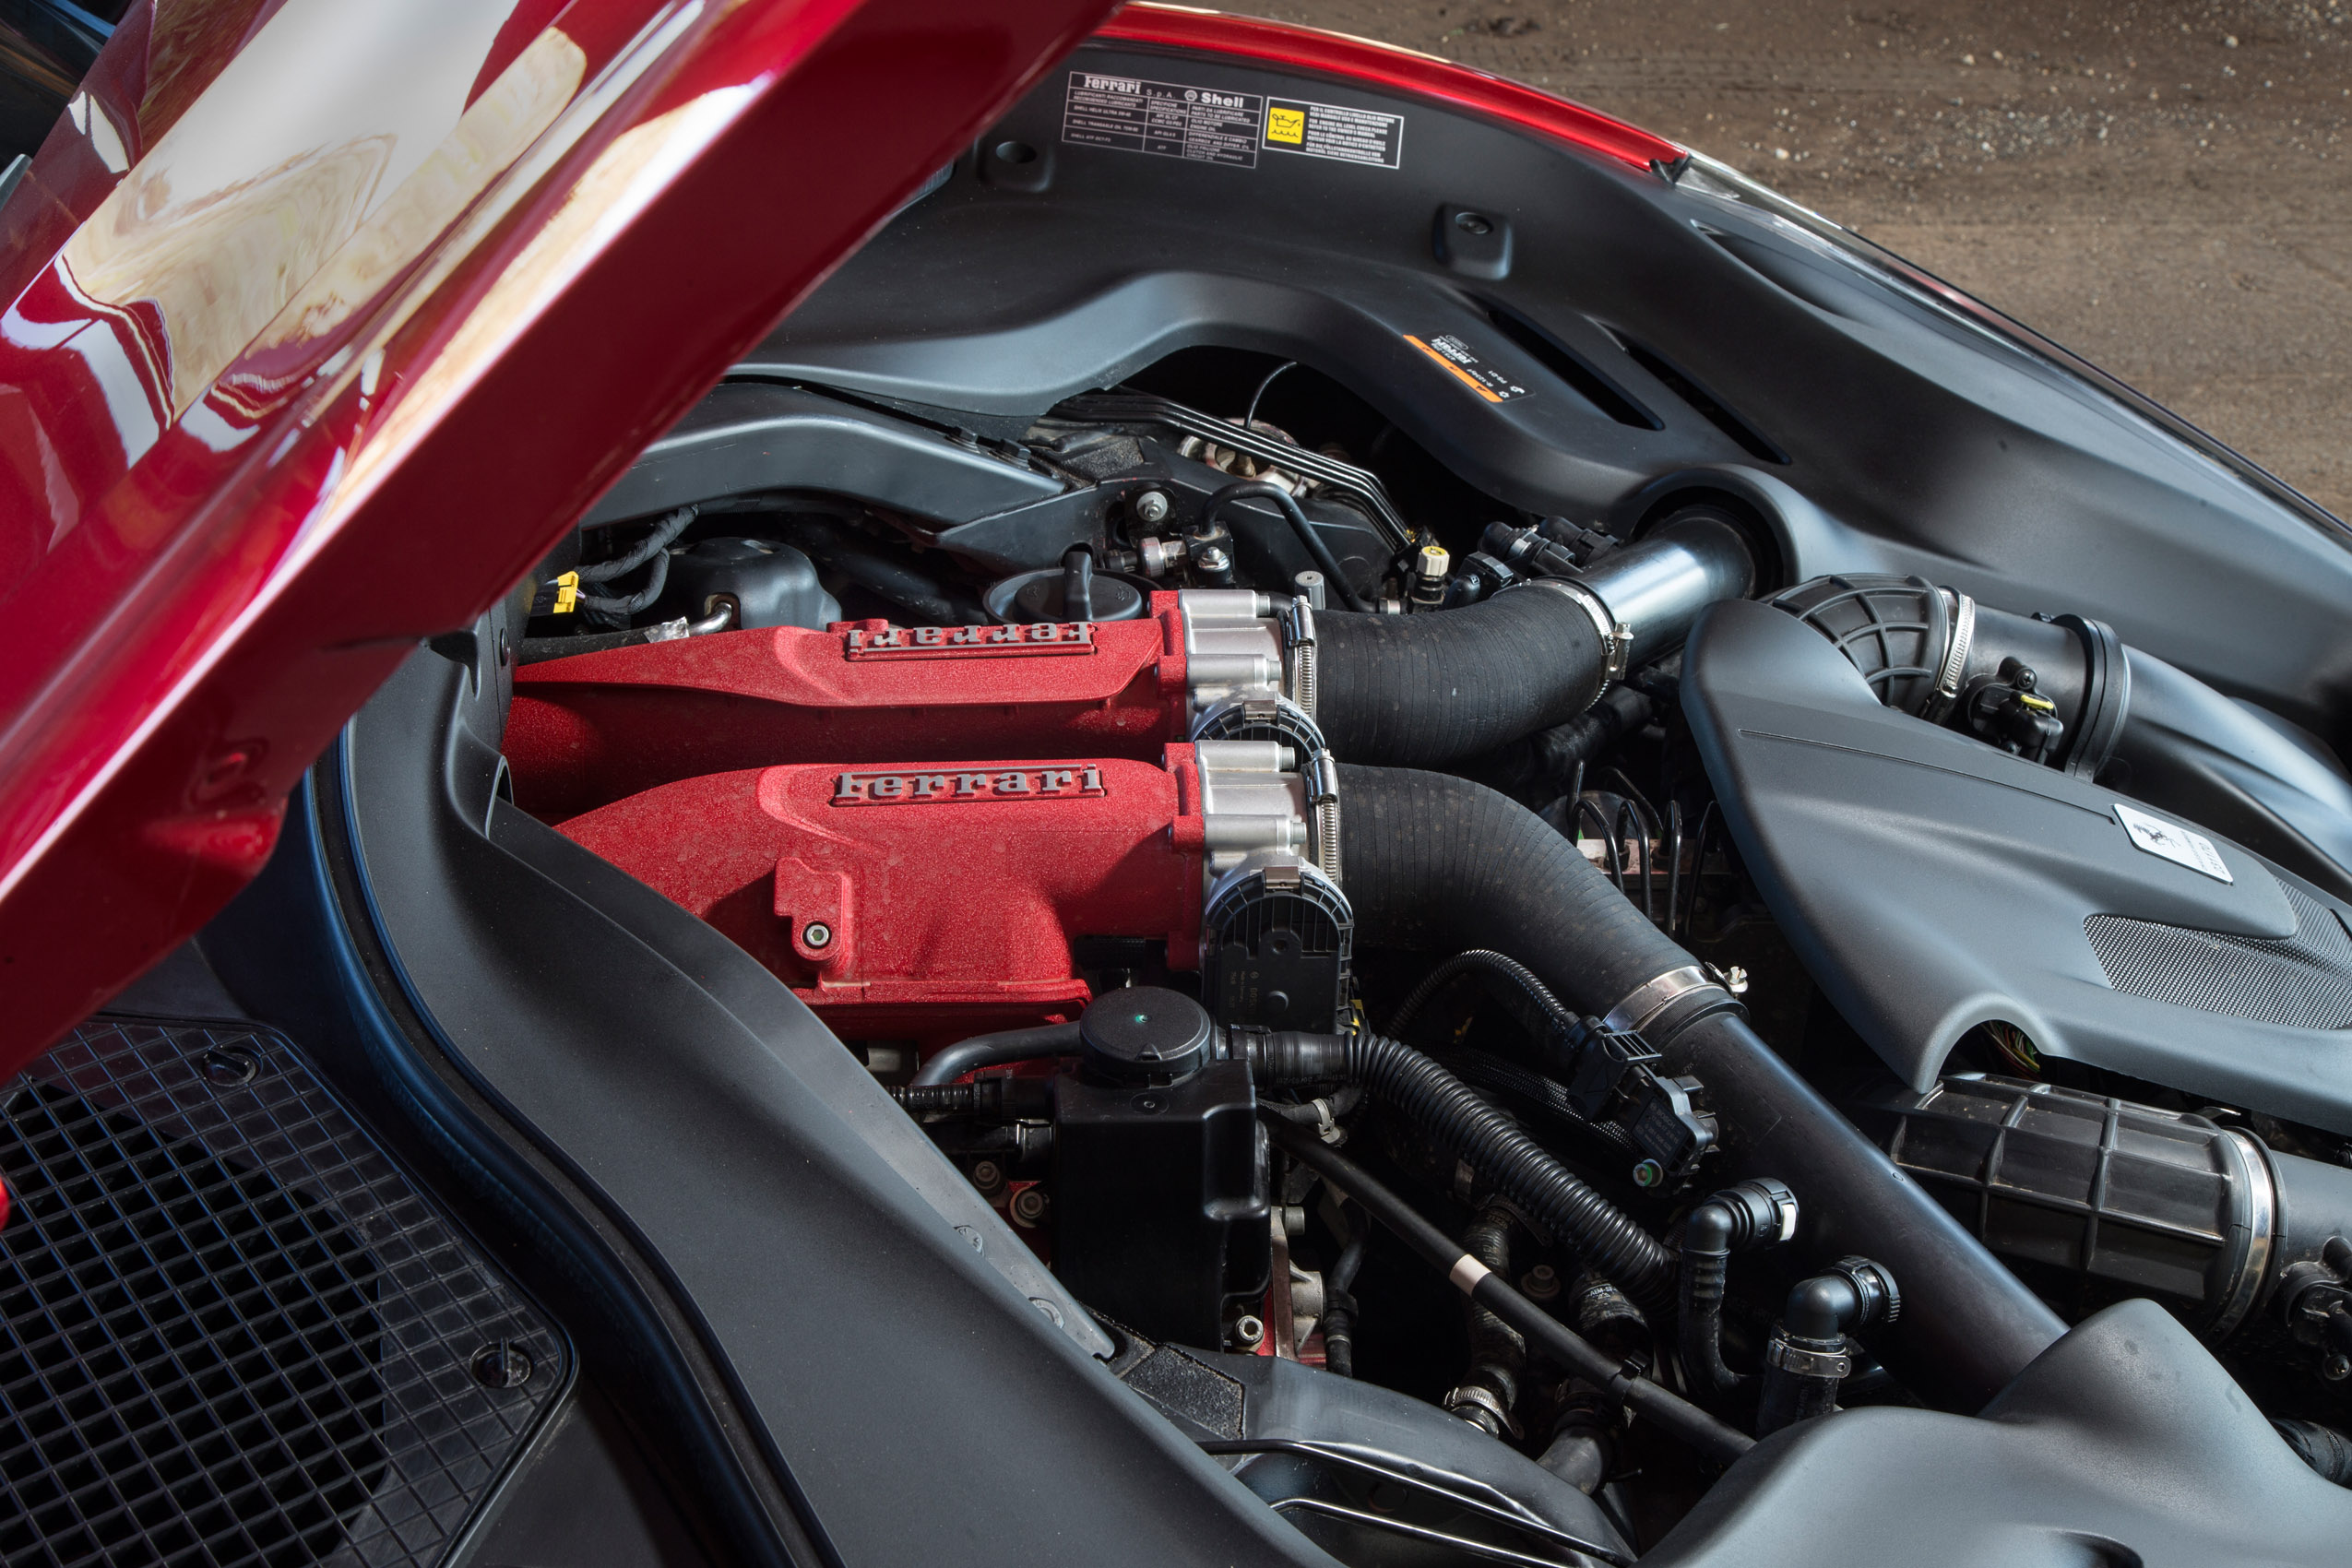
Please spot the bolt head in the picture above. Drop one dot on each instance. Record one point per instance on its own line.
(1151, 507)
(1028, 1207)
(1248, 1331)
(1542, 1284)
(1213, 559)
(1473, 223)
(816, 933)
(2337, 1367)
(1649, 1173)
(987, 1175)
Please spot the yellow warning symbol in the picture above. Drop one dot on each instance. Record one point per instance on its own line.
(1286, 124)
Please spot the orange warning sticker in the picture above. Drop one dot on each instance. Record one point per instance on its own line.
(1454, 355)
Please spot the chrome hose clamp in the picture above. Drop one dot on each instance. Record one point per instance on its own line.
(1298, 642)
(1826, 1364)
(1616, 636)
(1955, 654)
(1321, 775)
(1649, 1000)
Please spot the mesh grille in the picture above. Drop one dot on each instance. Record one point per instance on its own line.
(2303, 981)
(231, 1330)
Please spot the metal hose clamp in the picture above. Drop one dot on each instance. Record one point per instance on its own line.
(1647, 1001)
(1298, 642)
(1955, 654)
(1321, 775)
(1616, 636)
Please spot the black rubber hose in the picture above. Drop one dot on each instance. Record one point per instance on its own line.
(1498, 1351)
(1707, 1261)
(1288, 505)
(1437, 687)
(1454, 1117)
(1338, 1296)
(1673, 1415)
(1438, 863)
(995, 1050)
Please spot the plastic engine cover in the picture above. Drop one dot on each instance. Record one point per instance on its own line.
(1932, 883)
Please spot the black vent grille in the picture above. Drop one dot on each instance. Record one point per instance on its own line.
(2303, 981)
(231, 1330)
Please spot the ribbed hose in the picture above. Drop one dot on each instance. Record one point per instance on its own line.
(1579, 1219)
(1435, 687)
(1436, 864)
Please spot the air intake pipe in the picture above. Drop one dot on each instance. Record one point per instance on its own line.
(1438, 863)
(2066, 692)
(1420, 689)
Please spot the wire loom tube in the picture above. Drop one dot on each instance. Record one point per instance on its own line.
(1577, 1216)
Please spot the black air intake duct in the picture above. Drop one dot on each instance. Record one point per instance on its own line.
(1437, 687)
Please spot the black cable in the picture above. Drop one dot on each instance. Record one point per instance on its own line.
(1678, 1417)
(1249, 420)
(616, 609)
(664, 534)
(1259, 490)
(1485, 959)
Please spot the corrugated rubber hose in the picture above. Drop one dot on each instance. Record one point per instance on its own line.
(1433, 687)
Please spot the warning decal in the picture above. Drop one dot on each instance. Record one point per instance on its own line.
(1468, 368)
(1328, 130)
(1174, 120)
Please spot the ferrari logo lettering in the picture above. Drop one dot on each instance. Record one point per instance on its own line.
(1074, 782)
(969, 642)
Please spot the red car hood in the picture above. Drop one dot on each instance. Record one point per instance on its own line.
(324, 320)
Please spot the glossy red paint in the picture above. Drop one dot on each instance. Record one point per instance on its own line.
(255, 444)
(584, 732)
(1389, 69)
(945, 895)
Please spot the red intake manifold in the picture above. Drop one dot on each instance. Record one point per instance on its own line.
(926, 901)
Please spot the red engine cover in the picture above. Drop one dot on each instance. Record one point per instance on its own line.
(596, 727)
(927, 901)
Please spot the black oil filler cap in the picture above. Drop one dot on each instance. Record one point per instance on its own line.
(1144, 1034)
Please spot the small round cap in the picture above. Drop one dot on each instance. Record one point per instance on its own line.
(1145, 1034)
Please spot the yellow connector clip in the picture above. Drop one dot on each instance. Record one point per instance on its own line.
(2039, 705)
(567, 593)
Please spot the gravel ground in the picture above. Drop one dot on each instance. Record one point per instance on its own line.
(2163, 185)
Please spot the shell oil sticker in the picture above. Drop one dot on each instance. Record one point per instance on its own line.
(1454, 355)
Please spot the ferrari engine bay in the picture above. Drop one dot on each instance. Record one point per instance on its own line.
(1494, 916)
